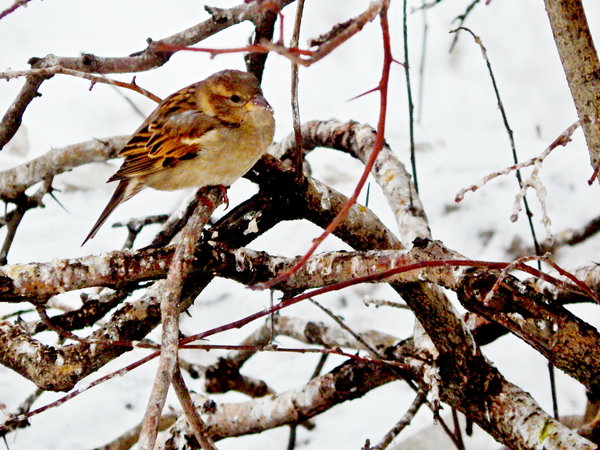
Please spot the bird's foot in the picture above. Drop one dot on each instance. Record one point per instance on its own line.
(200, 195)
(223, 190)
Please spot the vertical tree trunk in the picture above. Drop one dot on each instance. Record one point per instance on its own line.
(580, 63)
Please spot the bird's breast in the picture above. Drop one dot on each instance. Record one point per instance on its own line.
(221, 160)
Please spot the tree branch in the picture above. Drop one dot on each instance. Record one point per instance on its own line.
(581, 65)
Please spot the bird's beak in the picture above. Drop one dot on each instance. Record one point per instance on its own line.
(257, 103)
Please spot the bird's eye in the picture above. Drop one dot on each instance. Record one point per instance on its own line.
(235, 98)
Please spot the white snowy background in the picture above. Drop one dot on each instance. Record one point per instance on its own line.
(459, 139)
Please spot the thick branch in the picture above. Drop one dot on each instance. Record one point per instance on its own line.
(16, 180)
(580, 63)
(358, 139)
(347, 382)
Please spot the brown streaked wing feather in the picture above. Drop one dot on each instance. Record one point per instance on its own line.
(176, 103)
(158, 142)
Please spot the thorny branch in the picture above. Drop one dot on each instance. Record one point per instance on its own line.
(453, 369)
(381, 9)
(318, 133)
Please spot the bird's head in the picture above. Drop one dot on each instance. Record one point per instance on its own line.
(233, 96)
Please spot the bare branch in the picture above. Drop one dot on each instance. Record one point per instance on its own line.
(581, 65)
(15, 181)
(295, 406)
(331, 40)
(381, 8)
(404, 422)
(23, 204)
(171, 292)
(391, 175)
(16, 5)
(563, 139)
(194, 420)
(47, 72)
(319, 333)
(294, 94)
(149, 58)
(130, 437)
(14, 114)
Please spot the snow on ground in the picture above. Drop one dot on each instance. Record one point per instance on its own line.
(459, 139)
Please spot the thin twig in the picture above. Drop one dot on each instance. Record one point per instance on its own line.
(325, 44)
(519, 264)
(458, 444)
(16, 5)
(191, 413)
(422, 61)
(41, 310)
(573, 237)
(23, 408)
(425, 5)
(509, 130)
(461, 20)
(457, 431)
(23, 205)
(386, 440)
(53, 70)
(381, 302)
(315, 374)
(292, 437)
(16, 313)
(563, 139)
(411, 106)
(141, 114)
(342, 324)
(294, 89)
(136, 225)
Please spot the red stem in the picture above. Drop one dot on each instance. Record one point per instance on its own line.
(377, 146)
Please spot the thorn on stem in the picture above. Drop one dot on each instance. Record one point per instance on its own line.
(370, 91)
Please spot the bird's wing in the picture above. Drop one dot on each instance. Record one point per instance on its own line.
(165, 140)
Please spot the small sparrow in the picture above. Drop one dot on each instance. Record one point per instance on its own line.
(208, 134)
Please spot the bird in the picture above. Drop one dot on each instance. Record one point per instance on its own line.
(207, 134)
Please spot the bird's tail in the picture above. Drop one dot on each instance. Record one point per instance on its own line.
(124, 191)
